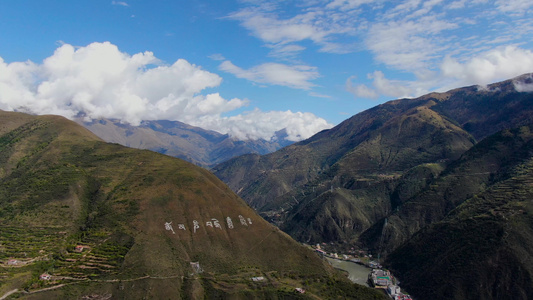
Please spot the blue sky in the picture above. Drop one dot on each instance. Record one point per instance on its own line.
(251, 67)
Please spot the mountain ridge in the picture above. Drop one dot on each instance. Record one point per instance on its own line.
(273, 177)
(101, 220)
(379, 167)
(194, 144)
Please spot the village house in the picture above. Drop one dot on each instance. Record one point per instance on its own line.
(80, 248)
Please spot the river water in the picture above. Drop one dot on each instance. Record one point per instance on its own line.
(357, 273)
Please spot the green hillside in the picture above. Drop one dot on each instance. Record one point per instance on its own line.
(104, 220)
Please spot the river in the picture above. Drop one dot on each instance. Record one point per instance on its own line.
(356, 273)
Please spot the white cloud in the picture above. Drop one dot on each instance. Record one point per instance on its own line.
(360, 90)
(286, 51)
(524, 84)
(456, 4)
(121, 3)
(257, 124)
(383, 86)
(424, 39)
(298, 76)
(389, 87)
(316, 23)
(407, 45)
(314, 94)
(490, 66)
(99, 81)
(482, 69)
(272, 30)
(518, 7)
(217, 56)
(347, 4)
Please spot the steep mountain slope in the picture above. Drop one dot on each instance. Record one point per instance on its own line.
(341, 182)
(81, 218)
(364, 178)
(473, 173)
(482, 249)
(201, 147)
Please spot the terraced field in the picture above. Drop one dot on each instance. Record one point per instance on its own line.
(49, 250)
(26, 246)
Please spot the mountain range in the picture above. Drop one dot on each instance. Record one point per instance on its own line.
(438, 188)
(84, 219)
(202, 147)
(404, 180)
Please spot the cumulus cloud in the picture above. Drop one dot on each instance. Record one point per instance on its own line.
(297, 77)
(490, 66)
(257, 124)
(99, 81)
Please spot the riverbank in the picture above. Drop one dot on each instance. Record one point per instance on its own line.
(364, 271)
(356, 273)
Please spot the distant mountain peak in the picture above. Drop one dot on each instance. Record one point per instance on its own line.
(194, 144)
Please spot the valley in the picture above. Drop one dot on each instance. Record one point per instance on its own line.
(380, 179)
(427, 191)
(266, 150)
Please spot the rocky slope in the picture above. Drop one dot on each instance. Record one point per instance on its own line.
(480, 238)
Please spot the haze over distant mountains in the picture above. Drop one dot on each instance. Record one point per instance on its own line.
(387, 178)
(199, 146)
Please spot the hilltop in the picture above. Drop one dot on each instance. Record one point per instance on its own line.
(82, 218)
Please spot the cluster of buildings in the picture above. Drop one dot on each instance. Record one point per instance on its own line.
(378, 277)
(383, 279)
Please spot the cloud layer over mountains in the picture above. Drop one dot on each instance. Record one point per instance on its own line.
(100, 81)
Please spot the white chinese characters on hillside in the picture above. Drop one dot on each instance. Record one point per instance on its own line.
(213, 223)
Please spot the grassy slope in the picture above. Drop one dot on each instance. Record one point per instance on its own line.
(60, 186)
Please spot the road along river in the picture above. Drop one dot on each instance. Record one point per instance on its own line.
(357, 273)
